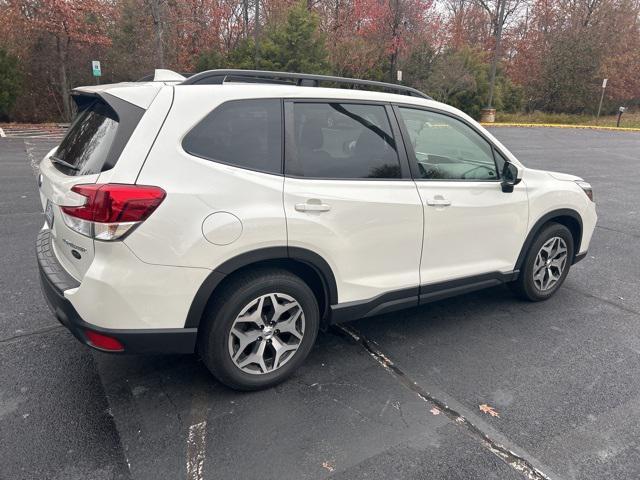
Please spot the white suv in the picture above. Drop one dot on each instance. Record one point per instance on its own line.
(234, 213)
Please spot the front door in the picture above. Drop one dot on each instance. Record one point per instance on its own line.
(472, 227)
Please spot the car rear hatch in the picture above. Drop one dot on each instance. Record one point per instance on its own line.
(93, 144)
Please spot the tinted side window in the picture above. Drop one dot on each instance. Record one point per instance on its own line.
(341, 140)
(243, 133)
(446, 148)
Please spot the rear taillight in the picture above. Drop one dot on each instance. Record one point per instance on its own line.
(111, 210)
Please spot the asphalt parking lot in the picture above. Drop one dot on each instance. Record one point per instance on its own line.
(397, 396)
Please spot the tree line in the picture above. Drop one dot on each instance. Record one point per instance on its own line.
(515, 55)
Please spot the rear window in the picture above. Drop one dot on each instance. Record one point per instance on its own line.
(242, 133)
(86, 146)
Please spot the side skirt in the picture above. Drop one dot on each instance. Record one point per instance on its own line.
(438, 291)
(412, 297)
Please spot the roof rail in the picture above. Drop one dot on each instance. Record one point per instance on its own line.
(213, 77)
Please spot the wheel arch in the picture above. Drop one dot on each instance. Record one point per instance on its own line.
(306, 264)
(565, 216)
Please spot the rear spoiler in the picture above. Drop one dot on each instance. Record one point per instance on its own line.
(139, 94)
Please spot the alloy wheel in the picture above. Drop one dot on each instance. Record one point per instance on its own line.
(550, 263)
(266, 333)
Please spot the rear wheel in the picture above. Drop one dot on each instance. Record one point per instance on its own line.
(259, 329)
(546, 265)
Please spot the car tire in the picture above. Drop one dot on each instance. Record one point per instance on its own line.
(546, 265)
(239, 341)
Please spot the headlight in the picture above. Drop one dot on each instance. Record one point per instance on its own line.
(586, 187)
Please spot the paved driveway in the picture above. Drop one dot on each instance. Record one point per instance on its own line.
(395, 396)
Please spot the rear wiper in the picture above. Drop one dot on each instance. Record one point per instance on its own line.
(59, 161)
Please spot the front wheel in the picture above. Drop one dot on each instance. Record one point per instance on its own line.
(546, 265)
(259, 329)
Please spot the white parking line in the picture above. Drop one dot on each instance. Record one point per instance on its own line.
(15, 131)
(39, 137)
(512, 459)
(196, 444)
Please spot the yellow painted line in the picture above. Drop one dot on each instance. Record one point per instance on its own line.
(560, 125)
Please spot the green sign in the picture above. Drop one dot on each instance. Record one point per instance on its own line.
(95, 66)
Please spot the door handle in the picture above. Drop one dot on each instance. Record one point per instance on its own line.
(312, 207)
(439, 201)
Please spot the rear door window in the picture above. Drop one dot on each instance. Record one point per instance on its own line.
(85, 148)
(242, 133)
(340, 141)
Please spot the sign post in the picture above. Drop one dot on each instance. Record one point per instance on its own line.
(604, 85)
(399, 76)
(97, 72)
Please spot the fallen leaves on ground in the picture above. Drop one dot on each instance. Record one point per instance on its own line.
(328, 466)
(484, 408)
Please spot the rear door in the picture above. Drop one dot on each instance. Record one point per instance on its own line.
(348, 196)
(92, 144)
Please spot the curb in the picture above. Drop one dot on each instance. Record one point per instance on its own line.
(560, 125)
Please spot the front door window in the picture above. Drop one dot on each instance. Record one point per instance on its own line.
(446, 148)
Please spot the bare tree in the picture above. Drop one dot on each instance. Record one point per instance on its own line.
(157, 13)
(455, 6)
(62, 48)
(395, 26)
(500, 11)
(256, 33)
(245, 17)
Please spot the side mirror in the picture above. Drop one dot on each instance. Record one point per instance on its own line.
(509, 177)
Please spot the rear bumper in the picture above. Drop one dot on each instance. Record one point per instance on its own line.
(54, 280)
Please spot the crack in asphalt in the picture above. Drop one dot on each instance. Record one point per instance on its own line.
(605, 300)
(173, 404)
(37, 331)
(609, 229)
(515, 461)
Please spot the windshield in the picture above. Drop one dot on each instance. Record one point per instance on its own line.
(85, 148)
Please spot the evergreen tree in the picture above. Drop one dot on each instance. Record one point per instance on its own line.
(10, 82)
(293, 46)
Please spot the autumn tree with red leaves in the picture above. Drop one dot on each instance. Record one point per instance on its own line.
(552, 53)
(61, 27)
(565, 48)
(370, 37)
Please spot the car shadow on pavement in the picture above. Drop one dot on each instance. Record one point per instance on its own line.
(339, 409)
